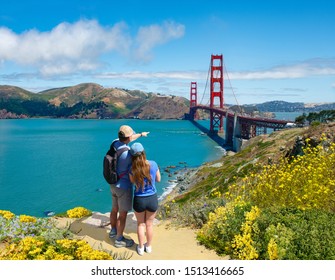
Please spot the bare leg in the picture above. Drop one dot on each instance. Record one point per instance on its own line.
(121, 223)
(140, 216)
(149, 224)
(113, 217)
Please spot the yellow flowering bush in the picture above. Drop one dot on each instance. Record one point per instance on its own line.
(242, 244)
(82, 250)
(7, 214)
(32, 248)
(273, 249)
(27, 219)
(78, 212)
(224, 227)
(215, 193)
(209, 233)
(305, 182)
(30, 238)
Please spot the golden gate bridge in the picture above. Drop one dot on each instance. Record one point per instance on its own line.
(235, 126)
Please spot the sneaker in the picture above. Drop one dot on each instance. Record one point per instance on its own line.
(112, 233)
(148, 249)
(139, 250)
(124, 242)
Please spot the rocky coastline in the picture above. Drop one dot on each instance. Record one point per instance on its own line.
(181, 182)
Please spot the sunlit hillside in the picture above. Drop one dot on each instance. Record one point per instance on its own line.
(272, 200)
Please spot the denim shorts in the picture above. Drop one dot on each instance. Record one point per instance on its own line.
(145, 203)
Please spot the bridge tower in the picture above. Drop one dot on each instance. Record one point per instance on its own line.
(193, 94)
(216, 94)
(193, 100)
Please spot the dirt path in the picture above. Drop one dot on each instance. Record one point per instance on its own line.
(169, 242)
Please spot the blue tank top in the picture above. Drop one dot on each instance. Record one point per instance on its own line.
(149, 189)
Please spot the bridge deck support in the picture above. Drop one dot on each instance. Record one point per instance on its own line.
(193, 100)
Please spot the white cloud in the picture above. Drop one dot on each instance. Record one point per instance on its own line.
(66, 48)
(178, 75)
(150, 36)
(294, 89)
(313, 67)
(178, 81)
(69, 48)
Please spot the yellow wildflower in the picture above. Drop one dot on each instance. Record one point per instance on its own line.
(78, 212)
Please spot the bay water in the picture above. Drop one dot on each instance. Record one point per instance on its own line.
(56, 164)
(288, 116)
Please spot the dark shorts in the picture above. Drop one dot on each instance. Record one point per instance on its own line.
(145, 203)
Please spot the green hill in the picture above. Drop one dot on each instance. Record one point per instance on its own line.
(91, 100)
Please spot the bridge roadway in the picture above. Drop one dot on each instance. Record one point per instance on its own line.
(264, 122)
(238, 127)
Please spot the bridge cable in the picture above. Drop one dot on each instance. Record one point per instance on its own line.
(226, 71)
(203, 95)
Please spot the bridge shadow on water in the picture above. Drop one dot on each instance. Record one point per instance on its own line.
(214, 136)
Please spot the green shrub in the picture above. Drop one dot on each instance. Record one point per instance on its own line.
(194, 213)
(308, 235)
(243, 232)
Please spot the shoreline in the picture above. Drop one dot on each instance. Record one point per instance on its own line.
(182, 183)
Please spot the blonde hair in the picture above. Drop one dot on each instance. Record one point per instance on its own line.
(140, 170)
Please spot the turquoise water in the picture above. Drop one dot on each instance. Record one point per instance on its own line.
(55, 165)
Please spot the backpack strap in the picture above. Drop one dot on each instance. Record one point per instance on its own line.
(119, 153)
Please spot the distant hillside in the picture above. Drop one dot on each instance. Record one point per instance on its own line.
(90, 100)
(283, 106)
(12, 92)
(160, 106)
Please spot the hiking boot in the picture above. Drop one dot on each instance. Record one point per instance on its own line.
(112, 233)
(139, 250)
(124, 242)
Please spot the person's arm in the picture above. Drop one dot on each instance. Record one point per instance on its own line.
(138, 135)
(158, 176)
(131, 178)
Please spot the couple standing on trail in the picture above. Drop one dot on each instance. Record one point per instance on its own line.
(134, 169)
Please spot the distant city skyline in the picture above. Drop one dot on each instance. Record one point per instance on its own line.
(273, 50)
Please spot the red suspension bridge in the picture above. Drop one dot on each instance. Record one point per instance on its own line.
(234, 126)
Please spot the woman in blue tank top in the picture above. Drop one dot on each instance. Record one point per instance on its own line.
(144, 174)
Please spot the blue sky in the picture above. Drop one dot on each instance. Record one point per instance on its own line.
(273, 50)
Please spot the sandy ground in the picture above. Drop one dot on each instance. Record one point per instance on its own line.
(169, 243)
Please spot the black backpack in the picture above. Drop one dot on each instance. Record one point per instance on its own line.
(110, 163)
